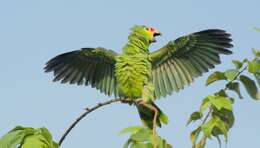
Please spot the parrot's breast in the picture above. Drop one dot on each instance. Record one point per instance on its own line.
(132, 74)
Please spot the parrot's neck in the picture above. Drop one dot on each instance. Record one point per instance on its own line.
(136, 44)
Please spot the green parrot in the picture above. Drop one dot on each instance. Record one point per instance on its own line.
(142, 75)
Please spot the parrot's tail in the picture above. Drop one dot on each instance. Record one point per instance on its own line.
(147, 115)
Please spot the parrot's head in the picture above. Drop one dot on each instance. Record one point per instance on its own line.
(144, 32)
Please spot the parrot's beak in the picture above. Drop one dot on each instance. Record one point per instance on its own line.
(157, 33)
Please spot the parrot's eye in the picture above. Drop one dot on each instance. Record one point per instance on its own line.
(146, 28)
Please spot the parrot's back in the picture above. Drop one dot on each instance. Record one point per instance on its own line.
(132, 72)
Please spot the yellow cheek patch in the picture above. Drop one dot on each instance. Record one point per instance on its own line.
(149, 33)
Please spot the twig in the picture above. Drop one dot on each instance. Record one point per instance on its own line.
(207, 116)
(89, 110)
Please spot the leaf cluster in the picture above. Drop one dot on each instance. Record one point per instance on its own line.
(26, 137)
(221, 119)
(142, 137)
(216, 111)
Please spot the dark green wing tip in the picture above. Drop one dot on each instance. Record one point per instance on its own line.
(228, 52)
(217, 36)
(65, 66)
(62, 59)
(57, 62)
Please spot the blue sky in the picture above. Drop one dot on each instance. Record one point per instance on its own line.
(32, 32)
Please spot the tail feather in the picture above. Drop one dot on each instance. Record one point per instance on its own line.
(147, 115)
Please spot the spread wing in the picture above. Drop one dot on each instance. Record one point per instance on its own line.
(89, 66)
(179, 62)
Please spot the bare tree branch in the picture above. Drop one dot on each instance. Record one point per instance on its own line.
(89, 110)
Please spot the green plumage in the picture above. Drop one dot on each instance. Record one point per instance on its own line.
(133, 72)
(140, 74)
(133, 69)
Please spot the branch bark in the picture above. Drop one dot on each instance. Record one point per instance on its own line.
(89, 110)
(208, 114)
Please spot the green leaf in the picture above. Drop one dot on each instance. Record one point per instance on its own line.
(163, 118)
(144, 138)
(220, 128)
(35, 141)
(254, 66)
(13, 138)
(138, 145)
(127, 143)
(208, 127)
(215, 126)
(221, 93)
(194, 116)
(231, 74)
(165, 144)
(221, 102)
(132, 129)
(250, 87)
(234, 86)
(256, 52)
(55, 144)
(257, 29)
(47, 136)
(142, 135)
(257, 77)
(26, 137)
(225, 115)
(216, 76)
(245, 60)
(149, 145)
(160, 143)
(157, 141)
(204, 105)
(194, 135)
(237, 64)
(41, 138)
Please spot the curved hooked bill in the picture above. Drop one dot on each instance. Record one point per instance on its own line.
(155, 35)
